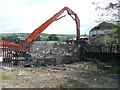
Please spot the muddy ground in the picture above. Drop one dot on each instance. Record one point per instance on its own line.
(77, 75)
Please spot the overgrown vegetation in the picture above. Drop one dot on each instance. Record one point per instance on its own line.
(116, 32)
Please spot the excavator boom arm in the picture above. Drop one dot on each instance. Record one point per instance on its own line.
(23, 47)
(41, 28)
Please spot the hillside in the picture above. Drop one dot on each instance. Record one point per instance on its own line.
(40, 37)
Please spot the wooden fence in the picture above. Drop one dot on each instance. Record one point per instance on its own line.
(113, 48)
(103, 52)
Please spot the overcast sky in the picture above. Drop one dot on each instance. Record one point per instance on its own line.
(24, 16)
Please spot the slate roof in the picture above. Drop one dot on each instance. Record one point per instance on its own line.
(102, 26)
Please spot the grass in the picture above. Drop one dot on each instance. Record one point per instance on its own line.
(113, 70)
(6, 77)
(37, 75)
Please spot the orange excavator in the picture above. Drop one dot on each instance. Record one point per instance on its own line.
(27, 43)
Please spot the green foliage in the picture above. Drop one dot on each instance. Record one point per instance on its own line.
(63, 39)
(13, 37)
(116, 32)
(44, 38)
(10, 37)
(5, 77)
(53, 37)
(39, 38)
(116, 29)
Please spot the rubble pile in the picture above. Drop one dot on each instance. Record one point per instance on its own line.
(53, 53)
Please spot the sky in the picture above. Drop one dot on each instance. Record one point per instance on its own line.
(24, 16)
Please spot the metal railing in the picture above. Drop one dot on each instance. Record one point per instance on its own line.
(11, 56)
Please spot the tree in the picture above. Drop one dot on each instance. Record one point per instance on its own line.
(39, 38)
(110, 13)
(116, 33)
(12, 37)
(53, 37)
(107, 10)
